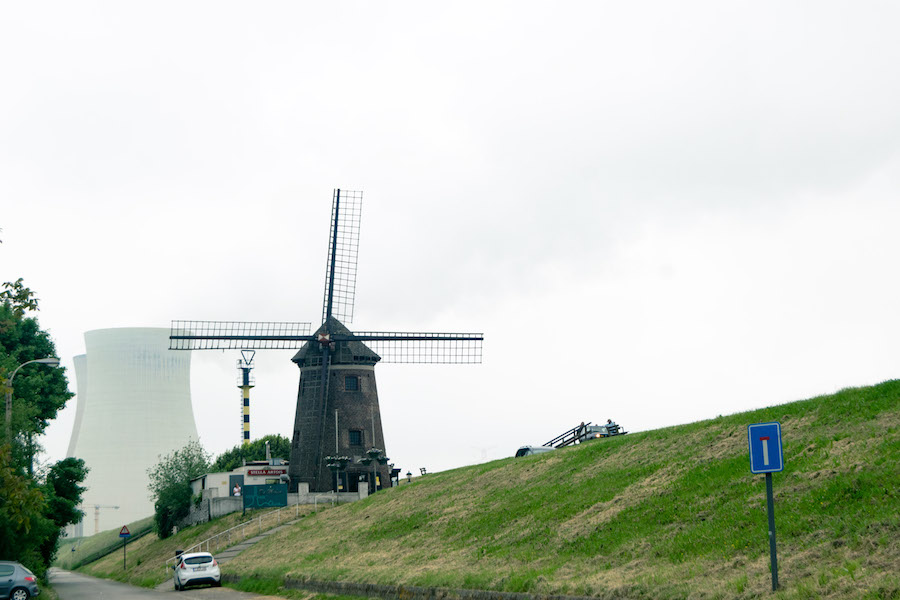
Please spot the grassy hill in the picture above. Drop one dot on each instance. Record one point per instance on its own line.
(147, 555)
(672, 513)
(75, 552)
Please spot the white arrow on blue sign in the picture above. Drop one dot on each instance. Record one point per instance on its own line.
(765, 447)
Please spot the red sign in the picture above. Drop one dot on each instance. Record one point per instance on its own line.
(265, 472)
(124, 531)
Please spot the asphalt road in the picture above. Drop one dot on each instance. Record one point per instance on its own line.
(75, 586)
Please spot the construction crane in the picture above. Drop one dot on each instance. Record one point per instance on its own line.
(97, 508)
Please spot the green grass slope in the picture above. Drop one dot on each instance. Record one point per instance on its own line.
(147, 556)
(672, 513)
(76, 552)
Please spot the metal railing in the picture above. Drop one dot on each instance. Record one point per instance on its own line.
(232, 535)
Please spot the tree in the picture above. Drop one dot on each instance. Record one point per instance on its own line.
(32, 516)
(32, 513)
(39, 392)
(21, 514)
(279, 446)
(64, 491)
(20, 297)
(170, 484)
(62, 495)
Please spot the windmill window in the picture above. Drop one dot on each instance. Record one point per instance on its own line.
(351, 383)
(356, 438)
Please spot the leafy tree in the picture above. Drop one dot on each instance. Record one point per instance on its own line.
(39, 392)
(32, 514)
(64, 492)
(62, 495)
(279, 446)
(21, 514)
(170, 486)
(172, 505)
(19, 297)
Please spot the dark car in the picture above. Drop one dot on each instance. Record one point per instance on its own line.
(17, 582)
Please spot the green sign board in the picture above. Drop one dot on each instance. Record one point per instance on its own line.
(265, 496)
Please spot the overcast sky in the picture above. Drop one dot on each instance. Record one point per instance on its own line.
(656, 212)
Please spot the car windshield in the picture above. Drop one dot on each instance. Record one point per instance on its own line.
(198, 560)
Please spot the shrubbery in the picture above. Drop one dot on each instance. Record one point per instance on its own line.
(170, 485)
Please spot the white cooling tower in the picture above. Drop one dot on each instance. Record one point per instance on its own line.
(80, 399)
(134, 405)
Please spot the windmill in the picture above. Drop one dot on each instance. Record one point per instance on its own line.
(337, 423)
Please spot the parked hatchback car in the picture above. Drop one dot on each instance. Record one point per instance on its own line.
(16, 581)
(196, 568)
(529, 450)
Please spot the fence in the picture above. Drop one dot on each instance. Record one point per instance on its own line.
(238, 533)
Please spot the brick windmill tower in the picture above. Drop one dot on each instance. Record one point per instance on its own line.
(338, 441)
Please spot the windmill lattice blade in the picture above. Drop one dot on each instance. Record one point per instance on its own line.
(345, 216)
(237, 335)
(432, 348)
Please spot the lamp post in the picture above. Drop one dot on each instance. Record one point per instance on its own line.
(337, 464)
(51, 361)
(382, 460)
(374, 457)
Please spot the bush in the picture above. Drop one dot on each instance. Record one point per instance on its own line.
(170, 485)
(172, 505)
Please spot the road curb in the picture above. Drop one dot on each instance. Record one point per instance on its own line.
(406, 592)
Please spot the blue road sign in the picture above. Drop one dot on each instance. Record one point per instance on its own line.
(765, 447)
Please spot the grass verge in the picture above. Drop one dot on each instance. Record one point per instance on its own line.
(672, 513)
(147, 556)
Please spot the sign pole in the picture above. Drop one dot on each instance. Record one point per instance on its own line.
(124, 534)
(772, 552)
(766, 456)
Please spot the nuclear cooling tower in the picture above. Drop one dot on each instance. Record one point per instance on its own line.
(80, 399)
(133, 406)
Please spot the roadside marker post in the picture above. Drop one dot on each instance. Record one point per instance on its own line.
(124, 534)
(766, 457)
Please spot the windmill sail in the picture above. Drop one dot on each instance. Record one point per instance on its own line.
(237, 335)
(423, 348)
(343, 251)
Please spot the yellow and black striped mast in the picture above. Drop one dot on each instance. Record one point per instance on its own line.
(245, 382)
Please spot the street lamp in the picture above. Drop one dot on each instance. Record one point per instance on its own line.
(52, 361)
(374, 457)
(337, 464)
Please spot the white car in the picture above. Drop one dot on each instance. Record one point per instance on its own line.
(196, 568)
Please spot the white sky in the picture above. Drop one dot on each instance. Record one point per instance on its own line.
(656, 212)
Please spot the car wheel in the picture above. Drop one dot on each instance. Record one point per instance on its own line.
(19, 594)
